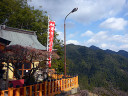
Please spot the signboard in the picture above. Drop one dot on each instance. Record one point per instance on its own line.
(51, 35)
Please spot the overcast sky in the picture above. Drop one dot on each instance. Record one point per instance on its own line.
(103, 23)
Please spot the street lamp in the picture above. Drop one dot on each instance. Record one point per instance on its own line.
(74, 10)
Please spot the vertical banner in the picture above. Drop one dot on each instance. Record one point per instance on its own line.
(51, 35)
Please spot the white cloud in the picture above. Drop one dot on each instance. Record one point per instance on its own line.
(92, 41)
(125, 46)
(73, 35)
(72, 42)
(87, 33)
(88, 10)
(103, 45)
(114, 23)
(105, 40)
(61, 35)
(120, 38)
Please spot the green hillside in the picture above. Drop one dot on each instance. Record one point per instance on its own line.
(97, 68)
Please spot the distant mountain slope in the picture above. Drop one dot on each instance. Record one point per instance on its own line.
(110, 51)
(97, 68)
(120, 52)
(94, 47)
(123, 53)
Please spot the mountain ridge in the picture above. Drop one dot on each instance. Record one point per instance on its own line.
(120, 52)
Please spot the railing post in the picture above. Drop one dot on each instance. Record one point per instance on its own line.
(17, 90)
(63, 83)
(10, 90)
(30, 90)
(35, 89)
(24, 90)
(77, 80)
(60, 85)
(1, 93)
(66, 83)
(49, 87)
(40, 89)
(74, 81)
(45, 88)
(55, 86)
(52, 87)
(71, 82)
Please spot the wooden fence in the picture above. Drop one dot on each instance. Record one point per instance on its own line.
(45, 88)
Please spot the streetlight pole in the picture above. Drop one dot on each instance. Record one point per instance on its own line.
(74, 10)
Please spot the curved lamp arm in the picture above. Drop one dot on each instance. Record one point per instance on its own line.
(75, 9)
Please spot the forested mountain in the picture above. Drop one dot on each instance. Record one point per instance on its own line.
(97, 68)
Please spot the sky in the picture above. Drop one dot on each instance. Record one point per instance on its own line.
(102, 23)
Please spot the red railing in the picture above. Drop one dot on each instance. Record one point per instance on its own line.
(45, 88)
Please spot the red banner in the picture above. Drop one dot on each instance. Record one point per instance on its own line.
(51, 35)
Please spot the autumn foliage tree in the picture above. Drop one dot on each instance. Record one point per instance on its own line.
(17, 55)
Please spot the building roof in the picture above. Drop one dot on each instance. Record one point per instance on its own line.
(21, 37)
(4, 41)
